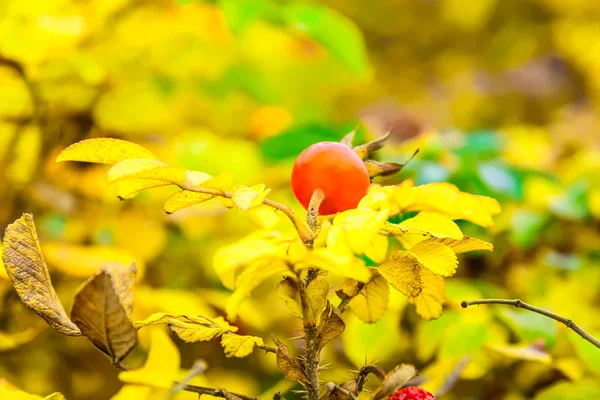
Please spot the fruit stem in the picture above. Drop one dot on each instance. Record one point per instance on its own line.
(519, 304)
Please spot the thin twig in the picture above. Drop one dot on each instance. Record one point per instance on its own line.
(361, 379)
(216, 392)
(346, 300)
(519, 304)
(198, 368)
(333, 388)
(268, 349)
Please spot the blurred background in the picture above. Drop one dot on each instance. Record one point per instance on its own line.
(501, 97)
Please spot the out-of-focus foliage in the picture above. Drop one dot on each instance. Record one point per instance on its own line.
(241, 87)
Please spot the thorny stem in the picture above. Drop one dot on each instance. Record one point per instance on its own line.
(311, 358)
(519, 304)
(304, 231)
(333, 388)
(361, 379)
(217, 392)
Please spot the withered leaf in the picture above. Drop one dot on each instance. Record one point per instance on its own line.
(29, 275)
(123, 279)
(290, 367)
(316, 295)
(331, 326)
(394, 381)
(99, 314)
(378, 168)
(288, 291)
(365, 150)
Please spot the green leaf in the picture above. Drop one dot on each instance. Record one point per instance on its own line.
(332, 30)
(585, 389)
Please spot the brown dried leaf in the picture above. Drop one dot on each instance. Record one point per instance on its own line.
(365, 150)
(28, 272)
(378, 168)
(99, 314)
(123, 279)
(331, 326)
(394, 381)
(290, 367)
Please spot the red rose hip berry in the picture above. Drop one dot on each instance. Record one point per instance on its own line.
(336, 170)
(411, 393)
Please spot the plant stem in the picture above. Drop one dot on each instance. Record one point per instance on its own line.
(268, 349)
(519, 304)
(311, 358)
(333, 388)
(346, 300)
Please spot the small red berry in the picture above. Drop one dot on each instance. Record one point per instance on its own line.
(411, 393)
(335, 169)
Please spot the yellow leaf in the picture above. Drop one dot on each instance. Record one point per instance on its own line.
(431, 299)
(98, 313)
(103, 151)
(288, 366)
(128, 188)
(402, 270)
(331, 326)
(359, 227)
(165, 173)
(287, 290)
(265, 216)
(162, 318)
(194, 332)
(184, 198)
(28, 272)
(230, 258)
(350, 287)
(316, 296)
(372, 301)
(239, 346)
(246, 198)
(438, 258)
(250, 278)
(83, 261)
(432, 223)
(131, 166)
(377, 249)
(464, 245)
(162, 365)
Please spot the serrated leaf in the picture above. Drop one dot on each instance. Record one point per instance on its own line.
(162, 318)
(103, 151)
(123, 279)
(184, 198)
(287, 290)
(316, 296)
(194, 332)
(403, 271)
(394, 381)
(428, 224)
(239, 346)
(289, 367)
(350, 287)
(331, 325)
(98, 313)
(356, 229)
(162, 365)
(372, 301)
(464, 245)
(27, 270)
(430, 301)
(438, 258)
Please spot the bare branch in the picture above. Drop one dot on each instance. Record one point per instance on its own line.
(519, 304)
(217, 392)
(198, 368)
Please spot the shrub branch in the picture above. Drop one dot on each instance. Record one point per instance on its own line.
(519, 304)
(311, 337)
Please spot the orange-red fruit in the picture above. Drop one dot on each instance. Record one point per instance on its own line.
(411, 393)
(336, 170)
